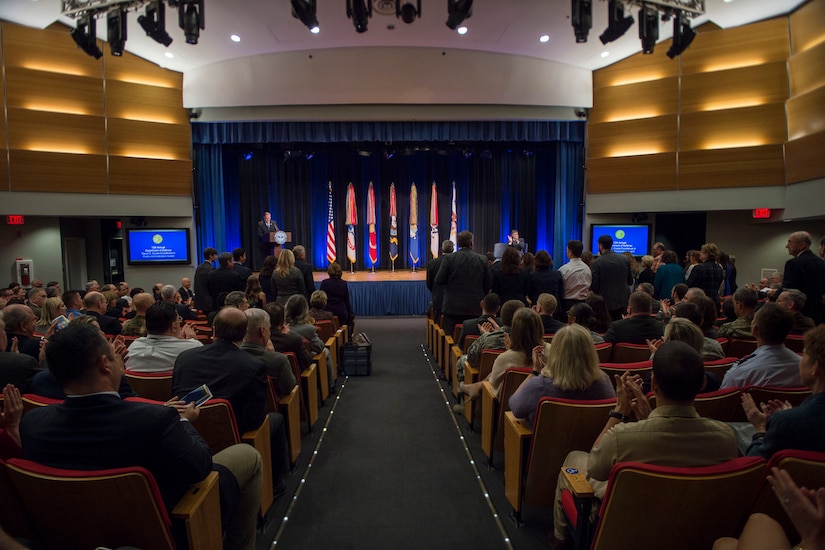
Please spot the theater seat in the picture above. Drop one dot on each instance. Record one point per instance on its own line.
(156, 386)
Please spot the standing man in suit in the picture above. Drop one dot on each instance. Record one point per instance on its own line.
(203, 301)
(466, 278)
(224, 279)
(515, 241)
(806, 273)
(238, 259)
(264, 228)
(612, 278)
(300, 253)
(436, 289)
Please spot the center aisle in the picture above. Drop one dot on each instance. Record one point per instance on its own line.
(392, 470)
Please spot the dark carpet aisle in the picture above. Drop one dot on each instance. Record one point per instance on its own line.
(391, 468)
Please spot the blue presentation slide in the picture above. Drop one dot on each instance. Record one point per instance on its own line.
(158, 245)
(626, 238)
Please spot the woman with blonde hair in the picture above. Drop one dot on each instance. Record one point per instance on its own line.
(570, 371)
(51, 310)
(287, 279)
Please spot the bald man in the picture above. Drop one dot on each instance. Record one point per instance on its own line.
(806, 273)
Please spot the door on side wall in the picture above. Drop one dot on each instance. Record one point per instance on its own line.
(74, 263)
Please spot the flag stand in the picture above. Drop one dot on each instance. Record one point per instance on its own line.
(351, 267)
(393, 266)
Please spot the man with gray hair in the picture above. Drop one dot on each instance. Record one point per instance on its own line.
(15, 368)
(37, 295)
(436, 289)
(168, 294)
(257, 343)
(236, 299)
(92, 286)
(794, 301)
(300, 253)
(806, 273)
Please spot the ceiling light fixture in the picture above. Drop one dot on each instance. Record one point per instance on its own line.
(648, 28)
(617, 23)
(458, 11)
(116, 27)
(359, 11)
(408, 12)
(85, 36)
(235, 38)
(153, 23)
(462, 30)
(683, 35)
(305, 11)
(544, 38)
(581, 18)
(191, 19)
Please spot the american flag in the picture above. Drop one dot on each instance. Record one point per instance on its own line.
(330, 230)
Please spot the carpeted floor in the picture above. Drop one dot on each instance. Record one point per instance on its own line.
(395, 468)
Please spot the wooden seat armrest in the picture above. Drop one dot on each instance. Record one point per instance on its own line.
(200, 511)
(290, 406)
(290, 399)
(449, 340)
(470, 373)
(309, 372)
(259, 439)
(330, 343)
(345, 330)
(195, 496)
(487, 392)
(521, 429)
(579, 486)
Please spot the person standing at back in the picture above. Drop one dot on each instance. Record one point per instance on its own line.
(203, 300)
(466, 279)
(612, 278)
(432, 270)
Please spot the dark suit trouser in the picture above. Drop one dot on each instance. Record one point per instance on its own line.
(450, 321)
(278, 447)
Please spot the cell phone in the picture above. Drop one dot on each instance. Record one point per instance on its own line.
(59, 323)
(199, 396)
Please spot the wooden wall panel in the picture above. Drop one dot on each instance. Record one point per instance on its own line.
(57, 172)
(805, 159)
(756, 44)
(47, 50)
(808, 26)
(133, 176)
(806, 114)
(637, 68)
(745, 127)
(642, 173)
(130, 68)
(61, 93)
(745, 167)
(747, 86)
(56, 132)
(805, 69)
(634, 101)
(633, 137)
(129, 138)
(141, 102)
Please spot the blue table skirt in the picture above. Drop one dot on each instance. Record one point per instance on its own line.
(377, 298)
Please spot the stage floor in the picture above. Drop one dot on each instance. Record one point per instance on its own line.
(374, 294)
(377, 276)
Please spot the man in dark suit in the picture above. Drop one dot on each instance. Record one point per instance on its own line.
(466, 278)
(263, 229)
(238, 259)
(224, 279)
(515, 241)
(96, 429)
(546, 305)
(285, 341)
(19, 323)
(806, 273)
(203, 300)
(236, 376)
(305, 268)
(15, 368)
(437, 290)
(185, 290)
(639, 327)
(167, 294)
(95, 304)
(489, 311)
(612, 278)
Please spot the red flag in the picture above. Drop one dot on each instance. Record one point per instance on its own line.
(371, 222)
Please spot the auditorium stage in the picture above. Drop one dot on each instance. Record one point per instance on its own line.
(384, 292)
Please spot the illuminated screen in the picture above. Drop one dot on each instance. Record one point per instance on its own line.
(626, 238)
(157, 246)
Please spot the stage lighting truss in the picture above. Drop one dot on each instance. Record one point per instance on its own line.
(306, 12)
(359, 11)
(191, 19)
(458, 11)
(85, 36)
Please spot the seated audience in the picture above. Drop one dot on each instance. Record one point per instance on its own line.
(185, 291)
(51, 310)
(683, 330)
(489, 311)
(581, 314)
(96, 306)
(600, 321)
(772, 364)
(166, 338)
(257, 343)
(780, 426)
(338, 302)
(711, 348)
(647, 288)
(136, 326)
(169, 295)
(12, 411)
(112, 309)
(15, 368)
(546, 308)
(20, 321)
(639, 327)
(673, 434)
(744, 306)
(794, 300)
(571, 371)
(236, 299)
(317, 303)
(297, 315)
(708, 311)
(36, 298)
(282, 339)
(255, 295)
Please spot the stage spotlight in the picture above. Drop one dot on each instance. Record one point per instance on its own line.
(582, 18)
(85, 36)
(359, 11)
(683, 35)
(648, 28)
(191, 19)
(305, 10)
(116, 25)
(617, 22)
(408, 12)
(153, 22)
(458, 11)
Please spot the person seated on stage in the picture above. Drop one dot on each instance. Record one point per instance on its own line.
(169, 295)
(711, 348)
(673, 434)
(581, 314)
(338, 301)
(744, 306)
(510, 283)
(136, 326)
(95, 304)
(571, 371)
(287, 280)
(780, 426)
(96, 429)
(283, 340)
(771, 364)
(525, 335)
(257, 343)
(317, 303)
(794, 301)
(167, 337)
(515, 241)
(490, 306)
(546, 308)
(297, 315)
(255, 295)
(639, 327)
(544, 279)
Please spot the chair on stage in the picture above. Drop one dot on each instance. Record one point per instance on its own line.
(493, 409)
(475, 374)
(156, 386)
(701, 504)
(75, 509)
(630, 353)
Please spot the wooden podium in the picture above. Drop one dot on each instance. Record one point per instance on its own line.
(276, 248)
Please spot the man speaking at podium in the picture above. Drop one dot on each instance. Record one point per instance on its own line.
(265, 227)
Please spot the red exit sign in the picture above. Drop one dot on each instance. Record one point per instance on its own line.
(761, 213)
(15, 220)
